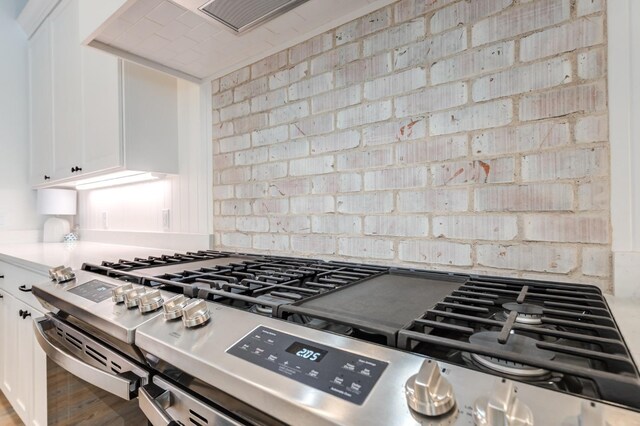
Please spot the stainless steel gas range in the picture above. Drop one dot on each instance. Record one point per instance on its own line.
(211, 337)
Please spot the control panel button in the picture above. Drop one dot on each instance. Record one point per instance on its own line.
(117, 294)
(195, 313)
(428, 393)
(502, 407)
(150, 301)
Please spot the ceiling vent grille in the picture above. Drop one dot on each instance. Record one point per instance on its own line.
(241, 15)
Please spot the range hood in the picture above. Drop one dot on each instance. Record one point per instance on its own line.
(242, 15)
(199, 40)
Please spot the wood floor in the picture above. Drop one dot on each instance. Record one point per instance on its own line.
(8, 417)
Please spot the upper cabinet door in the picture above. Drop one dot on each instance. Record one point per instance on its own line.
(41, 105)
(101, 97)
(67, 96)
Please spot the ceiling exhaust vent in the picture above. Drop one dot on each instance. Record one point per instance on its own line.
(241, 15)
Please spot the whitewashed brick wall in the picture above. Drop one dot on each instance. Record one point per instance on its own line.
(442, 134)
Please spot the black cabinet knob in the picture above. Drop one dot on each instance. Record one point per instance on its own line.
(73, 169)
(24, 314)
(24, 288)
(47, 177)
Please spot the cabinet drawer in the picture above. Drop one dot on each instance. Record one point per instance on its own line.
(14, 280)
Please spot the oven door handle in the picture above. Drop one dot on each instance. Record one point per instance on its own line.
(155, 407)
(118, 386)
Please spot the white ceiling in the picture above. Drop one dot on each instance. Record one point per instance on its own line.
(167, 33)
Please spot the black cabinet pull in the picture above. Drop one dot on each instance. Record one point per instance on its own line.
(76, 169)
(47, 177)
(24, 314)
(24, 288)
(1, 276)
(73, 169)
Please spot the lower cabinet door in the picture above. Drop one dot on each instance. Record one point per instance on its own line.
(38, 411)
(4, 300)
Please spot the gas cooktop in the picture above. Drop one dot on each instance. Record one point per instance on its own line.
(556, 336)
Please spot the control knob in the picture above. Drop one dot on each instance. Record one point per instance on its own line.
(132, 297)
(428, 393)
(117, 294)
(195, 313)
(173, 307)
(502, 408)
(150, 301)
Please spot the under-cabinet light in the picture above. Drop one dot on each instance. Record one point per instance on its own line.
(117, 180)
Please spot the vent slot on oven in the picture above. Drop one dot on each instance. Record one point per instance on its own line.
(199, 417)
(96, 355)
(241, 15)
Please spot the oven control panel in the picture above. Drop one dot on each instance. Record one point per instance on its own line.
(343, 374)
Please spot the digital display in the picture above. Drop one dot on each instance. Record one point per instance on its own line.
(306, 352)
(95, 290)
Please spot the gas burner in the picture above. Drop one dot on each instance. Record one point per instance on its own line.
(319, 324)
(528, 313)
(517, 344)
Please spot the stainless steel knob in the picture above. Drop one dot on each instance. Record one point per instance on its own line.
(173, 307)
(502, 408)
(61, 274)
(428, 393)
(132, 297)
(117, 294)
(150, 301)
(195, 313)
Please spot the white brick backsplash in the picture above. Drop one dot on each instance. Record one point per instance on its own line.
(335, 142)
(311, 47)
(427, 51)
(574, 35)
(476, 227)
(251, 190)
(584, 98)
(361, 27)
(438, 252)
(591, 64)
(531, 137)
(288, 188)
(473, 62)
(268, 171)
(541, 75)
(293, 149)
(250, 123)
(408, 9)
(528, 17)
(288, 113)
(227, 223)
(270, 136)
(286, 224)
(432, 149)
(586, 7)
(235, 110)
(312, 166)
(365, 159)
(514, 198)
(235, 207)
(432, 99)
(381, 202)
(464, 12)
(215, 86)
(433, 200)
(337, 99)
(395, 131)
(364, 114)
(480, 116)
(401, 226)
(501, 170)
(222, 100)
(366, 247)
(223, 192)
(316, 244)
(222, 161)
(335, 58)
(596, 261)
(222, 130)
(567, 228)
(271, 242)
(315, 125)
(252, 224)
(235, 143)
(393, 37)
(316, 204)
(594, 195)
(395, 178)
(250, 89)
(270, 206)
(252, 156)
(540, 258)
(311, 86)
(336, 224)
(336, 183)
(269, 100)
(574, 163)
(235, 78)
(395, 84)
(363, 70)
(288, 76)
(236, 239)
(269, 64)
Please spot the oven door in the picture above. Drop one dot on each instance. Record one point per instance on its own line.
(165, 404)
(88, 359)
